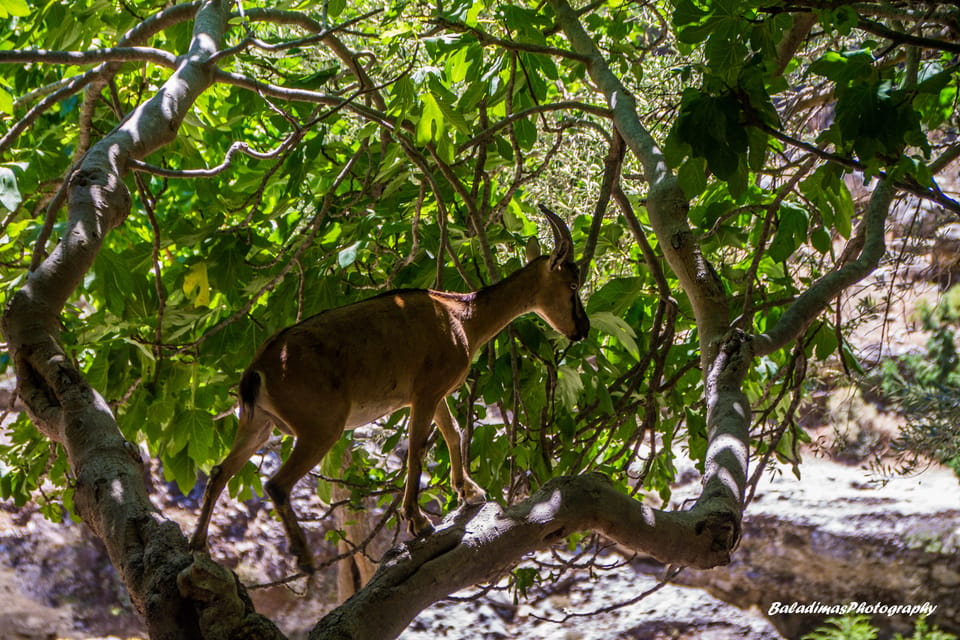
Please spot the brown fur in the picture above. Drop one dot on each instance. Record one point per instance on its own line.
(351, 365)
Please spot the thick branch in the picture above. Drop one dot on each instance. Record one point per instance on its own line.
(94, 56)
(111, 497)
(666, 204)
(814, 300)
(477, 545)
(802, 23)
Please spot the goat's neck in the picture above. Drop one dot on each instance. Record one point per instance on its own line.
(492, 308)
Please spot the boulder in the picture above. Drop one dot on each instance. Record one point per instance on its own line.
(840, 536)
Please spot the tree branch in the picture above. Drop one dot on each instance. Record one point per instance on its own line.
(487, 39)
(486, 133)
(236, 147)
(933, 195)
(477, 544)
(667, 207)
(611, 178)
(906, 38)
(329, 37)
(110, 495)
(814, 300)
(94, 56)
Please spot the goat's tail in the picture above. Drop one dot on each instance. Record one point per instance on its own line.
(249, 390)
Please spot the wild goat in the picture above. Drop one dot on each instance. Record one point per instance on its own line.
(406, 348)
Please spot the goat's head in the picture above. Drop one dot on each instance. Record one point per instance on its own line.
(558, 297)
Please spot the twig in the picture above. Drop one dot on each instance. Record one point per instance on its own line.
(671, 572)
(934, 194)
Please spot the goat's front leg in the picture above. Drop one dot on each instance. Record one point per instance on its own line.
(421, 417)
(468, 490)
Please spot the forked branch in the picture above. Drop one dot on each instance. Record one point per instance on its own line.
(480, 543)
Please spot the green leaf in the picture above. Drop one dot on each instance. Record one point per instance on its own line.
(820, 239)
(686, 12)
(692, 176)
(618, 328)
(831, 198)
(616, 296)
(712, 126)
(445, 100)
(430, 126)
(199, 428)
(335, 7)
(18, 8)
(6, 102)
(196, 286)
(569, 386)
(348, 256)
(826, 341)
(791, 231)
(725, 50)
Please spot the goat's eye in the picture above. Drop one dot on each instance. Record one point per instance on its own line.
(574, 286)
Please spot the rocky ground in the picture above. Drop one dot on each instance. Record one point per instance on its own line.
(805, 540)
(56, 582)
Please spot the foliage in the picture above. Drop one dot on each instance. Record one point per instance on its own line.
(329, 177)
(848, 627)
(859, 627)
(925, 387)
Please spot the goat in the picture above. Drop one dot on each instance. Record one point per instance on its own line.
(353, 364)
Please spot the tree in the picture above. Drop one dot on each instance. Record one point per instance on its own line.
(226, 170)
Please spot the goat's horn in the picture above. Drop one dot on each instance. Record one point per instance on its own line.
(562, 239)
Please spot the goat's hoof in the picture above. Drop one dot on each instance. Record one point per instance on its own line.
(419, 526)
(471, 494)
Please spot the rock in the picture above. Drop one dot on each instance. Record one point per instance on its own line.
(945, 255)
(834, 538)
(671, 612)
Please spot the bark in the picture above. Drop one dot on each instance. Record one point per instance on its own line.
(110, 494)
(183, 595)
(724, 355)
(481, 543)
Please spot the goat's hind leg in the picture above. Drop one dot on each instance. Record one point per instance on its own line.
(314, 440)
(251, 434)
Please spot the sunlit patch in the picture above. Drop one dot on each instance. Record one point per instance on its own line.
(399, 301)
(740, 409)
(546, 510)
(726, 460)
(726, 441)
(284, 356)
(116, 490)
(649, 516)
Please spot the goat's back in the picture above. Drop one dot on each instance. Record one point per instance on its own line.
(367, 359)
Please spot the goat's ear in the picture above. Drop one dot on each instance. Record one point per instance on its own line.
(533, 249)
